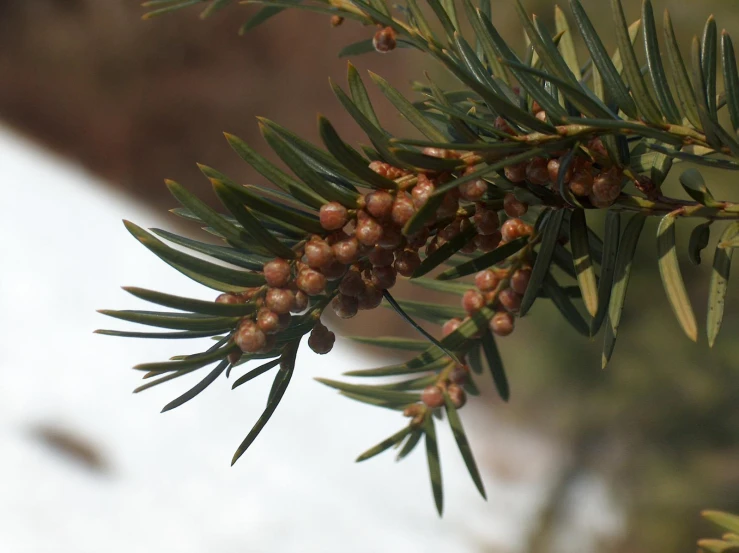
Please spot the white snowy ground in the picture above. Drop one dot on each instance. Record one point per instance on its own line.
(63, 254)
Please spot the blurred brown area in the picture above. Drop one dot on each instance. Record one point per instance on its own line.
(137, 101)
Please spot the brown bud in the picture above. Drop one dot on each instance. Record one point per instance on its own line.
(334, 271)
(581, 183)
(553, 166)
(450, 326)
(512, 229)
(383, 277)
(380, 257)
(520, 280)
(418, 240)
(449, 205)
(346, 251)
(485, 220)
(280, 300)
(472, 301)
(432, 396)
(311, 282)
(473, 190)
(230, 299)
(486, 280)
(458, 375)
(301, 302)
(406, 263)
(514, 207)
(422, 191)
(370, 297)
(403, 209)
(321, 339)
(387, 170)
(234, 357)
(456, 393)
(451, 230)
(502, 323)
(384, 40)
(379, 204)
(318, 254)
(336, 20)
(392, 239)
(509, 299)
(536, 171)
(606, 188)
(345, 307)
(502, 125)
(487, 243)
(249, 338)
(277, 273)
(268, 321)
(333, 216)
(516, 173)
(368, 232)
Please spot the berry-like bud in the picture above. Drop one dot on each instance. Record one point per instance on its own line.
(472, 301)
(422, 191)
(451, 230)
(336, 20)
(277, 273)
(383, 277)
(502, 323)
(487, 243)
(379, 204)
(520, 280)
(370, 297)
(514, 207)
(486, 280)
(384, 40)
(268, 321)
(449, 205)
(380, 257)
(352, 284)
(553, 166)
(598, 149)
(402, 210)
(334, 271)
(581, 183)
(311, 282)
(606, 188)
(392, 239)
(346, 251)
(280, 300)
(368, 232)
(536, 171)
(230, 299)
(473, 190)
(512, 229)
(450, 326)
(321, 339)
(486, 220)
(301, 302)
(432, 396)
(387, 170)
(418, 240)
(456, 393)
(333, 216)
(541, 115)
(406, 263)
(249, 338)
(318, 254)
(345, 307)
(509, 299)
(458, 375)
(516, 173)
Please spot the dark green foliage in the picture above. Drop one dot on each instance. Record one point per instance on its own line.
(625, 124)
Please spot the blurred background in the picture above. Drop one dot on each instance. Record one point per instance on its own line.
(647, 443)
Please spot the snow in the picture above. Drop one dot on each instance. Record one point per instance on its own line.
(64, 254)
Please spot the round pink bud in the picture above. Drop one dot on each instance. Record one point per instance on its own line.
(277, 273)
(333, 216)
